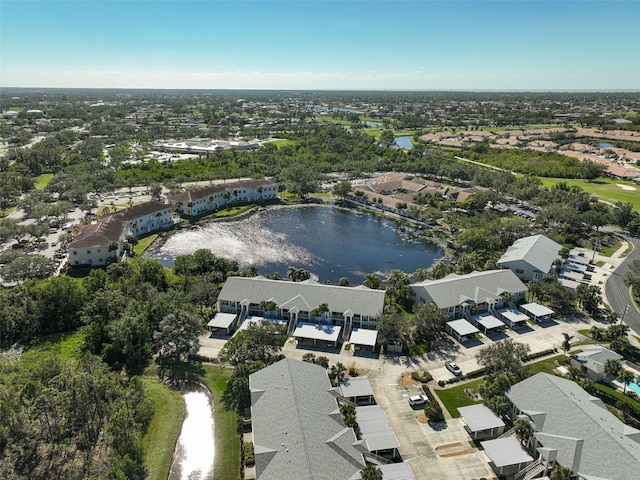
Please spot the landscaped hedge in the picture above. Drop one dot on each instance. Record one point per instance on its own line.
(628, 405)
(424, 377)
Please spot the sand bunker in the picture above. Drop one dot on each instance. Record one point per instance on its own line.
(626, 187)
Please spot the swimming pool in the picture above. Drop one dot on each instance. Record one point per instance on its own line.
(633, 386)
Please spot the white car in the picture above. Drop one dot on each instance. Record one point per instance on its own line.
(454, 368)
(418, 400)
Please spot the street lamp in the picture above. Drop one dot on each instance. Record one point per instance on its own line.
(626, 309)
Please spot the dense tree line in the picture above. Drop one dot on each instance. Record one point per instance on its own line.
(70, 419)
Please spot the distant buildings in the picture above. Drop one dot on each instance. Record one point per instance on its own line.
(207, 199)
(101, 243)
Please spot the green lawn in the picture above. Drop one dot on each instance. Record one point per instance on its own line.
(233, 211)
(161, 436)
(609, 250)
(67, 345)
(43, 180)
(144, 243)
(454, 397)
(226, 465)
(282, 143)
(606, 189)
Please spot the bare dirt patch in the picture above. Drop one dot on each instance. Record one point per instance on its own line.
(407, 380)
(454, 449)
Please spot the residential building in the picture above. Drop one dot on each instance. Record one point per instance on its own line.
(298, 431)
(212, 197)
(348, 307)
(465, 295)
(102, 242)
(575, 430)
(531, 257)
(591, 361)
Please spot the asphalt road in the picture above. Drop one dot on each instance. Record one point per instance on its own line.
(617, 292)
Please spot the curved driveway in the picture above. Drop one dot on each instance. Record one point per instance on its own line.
(617, 293)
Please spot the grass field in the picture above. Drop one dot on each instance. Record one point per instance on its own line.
(161, 436)
(454, 397)
(144, 243)
(43, 180)
(606, 189)
(226, 465)
(282, 143)
(609, 250)
(67, 345)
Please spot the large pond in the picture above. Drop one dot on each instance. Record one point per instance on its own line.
(193, 458)
(329, 242)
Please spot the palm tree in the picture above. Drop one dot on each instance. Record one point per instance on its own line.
(372, 281)
(560, 473)
(596, 333)
(421, 274)
(626, 377)
(523, 430)
(612, 368)
(566, 344)
(371, 472)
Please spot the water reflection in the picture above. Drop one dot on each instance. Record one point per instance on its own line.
(193, 458)
(329, 242)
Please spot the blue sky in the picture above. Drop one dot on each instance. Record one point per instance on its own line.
(304, 44)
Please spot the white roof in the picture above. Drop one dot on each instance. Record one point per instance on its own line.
(462, 327)
(258, 320)
(506, 451)
(314, 331)
(363, 336)
(222, 320)
(480, 417)
(572, 275)
(355, 387)
(488, 321)
(537, 309)
(513, 315)
(375, 429)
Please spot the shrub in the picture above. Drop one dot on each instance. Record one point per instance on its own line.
(424, 377)
(433, 411)
(441, 383)
(249, 454)
(353, 372)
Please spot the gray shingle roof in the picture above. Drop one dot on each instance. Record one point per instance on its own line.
(590, 440)
(537, 250)
(305, 295)
(478, 287)
(594, 357)
(297, 428)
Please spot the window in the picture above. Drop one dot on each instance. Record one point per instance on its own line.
(89, 252)
(77, 262)
(519, 271)
(75, 252)
(99, 250)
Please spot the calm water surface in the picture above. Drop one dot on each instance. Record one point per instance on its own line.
(193, 458)
(404, 141)
(329, 242)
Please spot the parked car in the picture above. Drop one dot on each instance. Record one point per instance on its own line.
(453, 368)
(416, 400)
